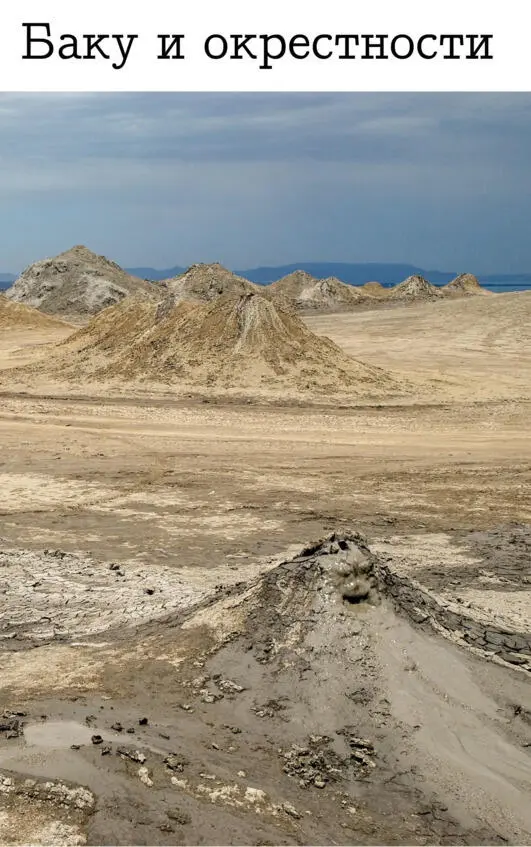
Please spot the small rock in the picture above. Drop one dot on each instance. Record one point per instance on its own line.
(133, 755)
(117, 727)
(176, 762)
(96, 739)
(106, 749)
(291, 811)
(145, 777)
(143, 722)
(513, 658)
(242, 774)
(179, 816)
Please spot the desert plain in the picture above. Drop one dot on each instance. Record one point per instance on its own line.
(183, 659)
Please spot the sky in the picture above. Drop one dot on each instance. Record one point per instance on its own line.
(442, 181)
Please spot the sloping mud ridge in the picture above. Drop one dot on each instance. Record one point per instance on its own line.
(306, 699)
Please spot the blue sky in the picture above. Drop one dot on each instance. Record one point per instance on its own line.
(438, 180)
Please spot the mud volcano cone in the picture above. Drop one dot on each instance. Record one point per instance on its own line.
(241, 343)
(464, 284)
(415, 288)
(306, 293)
(76, 283)
(17, 316)
(203, 282)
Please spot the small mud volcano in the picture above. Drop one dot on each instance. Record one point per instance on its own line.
(349, 564)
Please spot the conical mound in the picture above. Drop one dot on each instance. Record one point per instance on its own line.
(415, 288)
(20, 317)
(293, 284)
(307, 293)
(375, 289)
(75, 283)
(464, 284)
(203, 283)
(231, 343)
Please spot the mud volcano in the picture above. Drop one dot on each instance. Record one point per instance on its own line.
(279, 711)
(20, 317)
(415, 288)
(241, 343)
(306, 293)
(76, 283)
(202, 283)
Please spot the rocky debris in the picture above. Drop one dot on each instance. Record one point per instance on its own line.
(131, 754)
(11, 724)
(361, 696)
(291, 811)
(77, 283)
(313, 765)
(415, 288)
(232, 342)
(65, 794)
(361, 749)
(228, 686)
(271, 709)
(210, 696)
(176, 762)
(464, 285)
(145, 776)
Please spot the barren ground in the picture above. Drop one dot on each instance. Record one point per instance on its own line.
(195, 504)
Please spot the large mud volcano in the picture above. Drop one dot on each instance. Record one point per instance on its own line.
(239, 344)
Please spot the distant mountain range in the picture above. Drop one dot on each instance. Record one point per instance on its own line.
(6, 280)
(353, 273)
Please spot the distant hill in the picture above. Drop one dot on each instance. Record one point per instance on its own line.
(354, 273)
(6, 280)
(156, 275)
(351, 272)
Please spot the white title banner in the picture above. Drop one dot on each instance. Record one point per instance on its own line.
(278, 45)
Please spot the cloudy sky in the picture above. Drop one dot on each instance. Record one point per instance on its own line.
(439, 180)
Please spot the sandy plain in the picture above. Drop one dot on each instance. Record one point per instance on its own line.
(168, 521)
